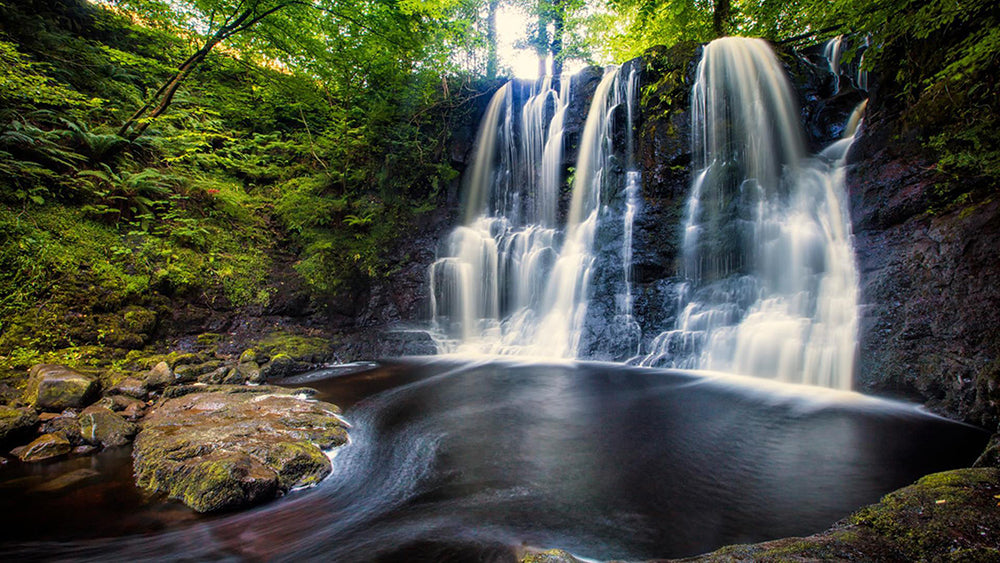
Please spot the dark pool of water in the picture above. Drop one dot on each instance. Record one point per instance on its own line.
(453, 461)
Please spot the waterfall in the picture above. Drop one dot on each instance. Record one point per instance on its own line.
(509, 280)
(833, 52)
(770, 281)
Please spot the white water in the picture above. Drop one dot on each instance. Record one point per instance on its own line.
(771, 285)
(509, 281)
(833, 52)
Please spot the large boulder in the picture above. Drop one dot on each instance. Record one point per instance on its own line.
(55, 388)
(228, 446)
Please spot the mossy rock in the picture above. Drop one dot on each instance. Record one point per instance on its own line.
(99, 425)
(949, 516)
(55, 388)
(16, 424)
(220, 447)
(47, 446)
(307, 349)
(550, 556)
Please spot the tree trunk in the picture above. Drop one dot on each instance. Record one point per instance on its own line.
(720, 17)
(558, 25)
(492, 61)
(165, 94)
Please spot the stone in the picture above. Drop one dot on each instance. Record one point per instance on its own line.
(134, 412)
(159, 377)
(248, 356)
(132, 387)
(16, 424)
(99, 425)
(46, 446)
(118, 403)
(215, 376)
(68, 481)
(66, 425)
(189, 373)
(281, 365)
(54, 388)
(250, 372)
(550, 556)
(222, 447)
(85, 449)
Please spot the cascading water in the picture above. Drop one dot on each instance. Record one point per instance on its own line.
(771, 285)
(833, 52)
(509, 281)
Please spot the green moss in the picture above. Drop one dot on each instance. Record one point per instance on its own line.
(294, 346)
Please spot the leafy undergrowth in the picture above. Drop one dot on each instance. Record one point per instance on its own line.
(103, 237)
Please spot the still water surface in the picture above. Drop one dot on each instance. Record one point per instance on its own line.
(463, 461)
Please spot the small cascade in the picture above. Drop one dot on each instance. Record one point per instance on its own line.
(771, 285)
(509, 281)
(632, 185)
(833, 52)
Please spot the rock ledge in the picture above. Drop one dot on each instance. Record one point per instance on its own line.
(224, 447)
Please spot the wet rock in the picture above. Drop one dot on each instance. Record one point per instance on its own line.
(55, 387)
(132, 387)
(159, 377)
(68, 481)
(223, 447)
(44, 447)
(189, 373)
(249, 372)
(550, 556)
(249, 356)
(66, 425)
(85, 449)
(215, 376)
(134, 411)
(99, 425)
(16, 424)
(950, 516)
(119, 403)
(282, 365)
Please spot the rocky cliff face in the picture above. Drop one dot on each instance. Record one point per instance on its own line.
(931, 310)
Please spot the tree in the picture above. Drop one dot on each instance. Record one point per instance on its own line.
(321, 37)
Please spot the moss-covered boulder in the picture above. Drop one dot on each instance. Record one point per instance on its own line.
(46, 446)
(55, 388)
(228, 446)
(100, 425)
(949, 516)
(15, 423)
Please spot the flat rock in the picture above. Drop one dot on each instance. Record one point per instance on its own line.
(223, 447)
(54, 388)
(46, 446)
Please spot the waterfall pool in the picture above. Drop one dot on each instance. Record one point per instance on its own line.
(459, 460)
